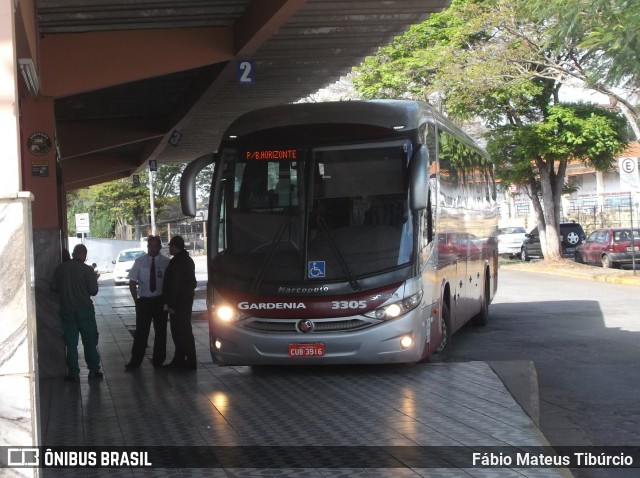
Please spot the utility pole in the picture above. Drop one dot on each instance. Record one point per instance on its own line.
(633, 241)
(152, 207)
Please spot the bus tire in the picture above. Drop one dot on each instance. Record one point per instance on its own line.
(440, 354)
(482, 317)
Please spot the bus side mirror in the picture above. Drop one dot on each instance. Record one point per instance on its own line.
(419, 182)
(188, 183)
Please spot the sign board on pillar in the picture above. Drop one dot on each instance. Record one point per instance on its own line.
(82, 222)
(244, 72)
(40, 168)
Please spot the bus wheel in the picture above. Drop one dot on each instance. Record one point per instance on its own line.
(482, 317)
(440, 354)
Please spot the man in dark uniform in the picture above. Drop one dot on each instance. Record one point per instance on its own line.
(76, 283)
(180, 283)
(146, 282)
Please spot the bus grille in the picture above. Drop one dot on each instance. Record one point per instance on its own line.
(331, 326)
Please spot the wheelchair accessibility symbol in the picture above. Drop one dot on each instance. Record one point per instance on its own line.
(315, 269)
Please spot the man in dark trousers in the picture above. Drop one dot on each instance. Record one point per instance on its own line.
(146, 282)
(76, 283)
(180, 283)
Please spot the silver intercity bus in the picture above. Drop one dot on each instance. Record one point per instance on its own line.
(350, 232)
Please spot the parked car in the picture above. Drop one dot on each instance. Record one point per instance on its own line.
(610, 247)
(123, 263)
(571, 235)
(510, 240)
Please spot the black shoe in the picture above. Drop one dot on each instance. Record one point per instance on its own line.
(72, 378)
(131, 366)
(95, 374)
(155, 364)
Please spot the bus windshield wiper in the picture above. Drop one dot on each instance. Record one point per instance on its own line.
(343, 263)
(266, 263)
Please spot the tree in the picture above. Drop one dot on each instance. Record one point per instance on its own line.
(120, 203)
(605, 39)
(540, 152)
(493, 59)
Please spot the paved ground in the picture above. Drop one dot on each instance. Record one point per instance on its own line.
(343, 416)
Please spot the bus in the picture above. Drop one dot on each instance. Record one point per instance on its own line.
(346, 233)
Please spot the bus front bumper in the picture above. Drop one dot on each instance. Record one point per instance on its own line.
(233, 344)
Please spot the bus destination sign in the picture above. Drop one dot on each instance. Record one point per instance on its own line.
(273, 154)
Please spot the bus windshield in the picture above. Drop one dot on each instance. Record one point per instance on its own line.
(304, 215)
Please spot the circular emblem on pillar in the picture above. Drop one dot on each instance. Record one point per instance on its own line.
(39, 144)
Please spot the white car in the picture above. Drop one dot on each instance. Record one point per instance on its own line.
(123, 264)
(510, 240)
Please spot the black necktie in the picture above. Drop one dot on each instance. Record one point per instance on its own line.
(152, 275)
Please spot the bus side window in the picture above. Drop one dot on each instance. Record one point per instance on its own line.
(425, 240)
(222, 231)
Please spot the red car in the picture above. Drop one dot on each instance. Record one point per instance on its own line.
(611, 247)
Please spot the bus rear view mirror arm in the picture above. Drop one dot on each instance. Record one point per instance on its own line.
(188, 183)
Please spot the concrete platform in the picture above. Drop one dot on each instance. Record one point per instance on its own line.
(444, 410)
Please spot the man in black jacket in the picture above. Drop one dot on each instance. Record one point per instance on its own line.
(179, 285)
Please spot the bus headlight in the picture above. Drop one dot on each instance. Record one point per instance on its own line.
(226, 313)
(391, 311)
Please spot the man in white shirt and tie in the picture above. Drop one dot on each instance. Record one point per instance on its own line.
(145, 284)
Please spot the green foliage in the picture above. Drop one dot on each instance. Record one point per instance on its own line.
(580, 132)
(505, 61)
(120, 202)
(203, 182)
(605, 31)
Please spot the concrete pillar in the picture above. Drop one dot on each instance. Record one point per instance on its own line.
(18, 372)
(41, 178)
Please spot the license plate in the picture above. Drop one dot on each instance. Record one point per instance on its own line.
(636, 248)
(306, 350)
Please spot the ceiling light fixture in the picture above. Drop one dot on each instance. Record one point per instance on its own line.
(29, 75)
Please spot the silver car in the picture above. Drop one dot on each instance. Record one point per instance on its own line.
(510, 240)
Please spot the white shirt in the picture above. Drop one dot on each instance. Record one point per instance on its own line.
(141, 270)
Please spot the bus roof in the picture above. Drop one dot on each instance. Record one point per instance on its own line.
(400, 115)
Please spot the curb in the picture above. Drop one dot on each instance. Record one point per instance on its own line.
(520, 378)
(630, 280)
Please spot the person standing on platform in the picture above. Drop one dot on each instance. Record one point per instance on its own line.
(146, 280)
(76, 283)
(180, 284)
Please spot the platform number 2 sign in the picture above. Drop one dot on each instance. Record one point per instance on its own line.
(245, 72)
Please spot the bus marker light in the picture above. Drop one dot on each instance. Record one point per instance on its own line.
(218, 344)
